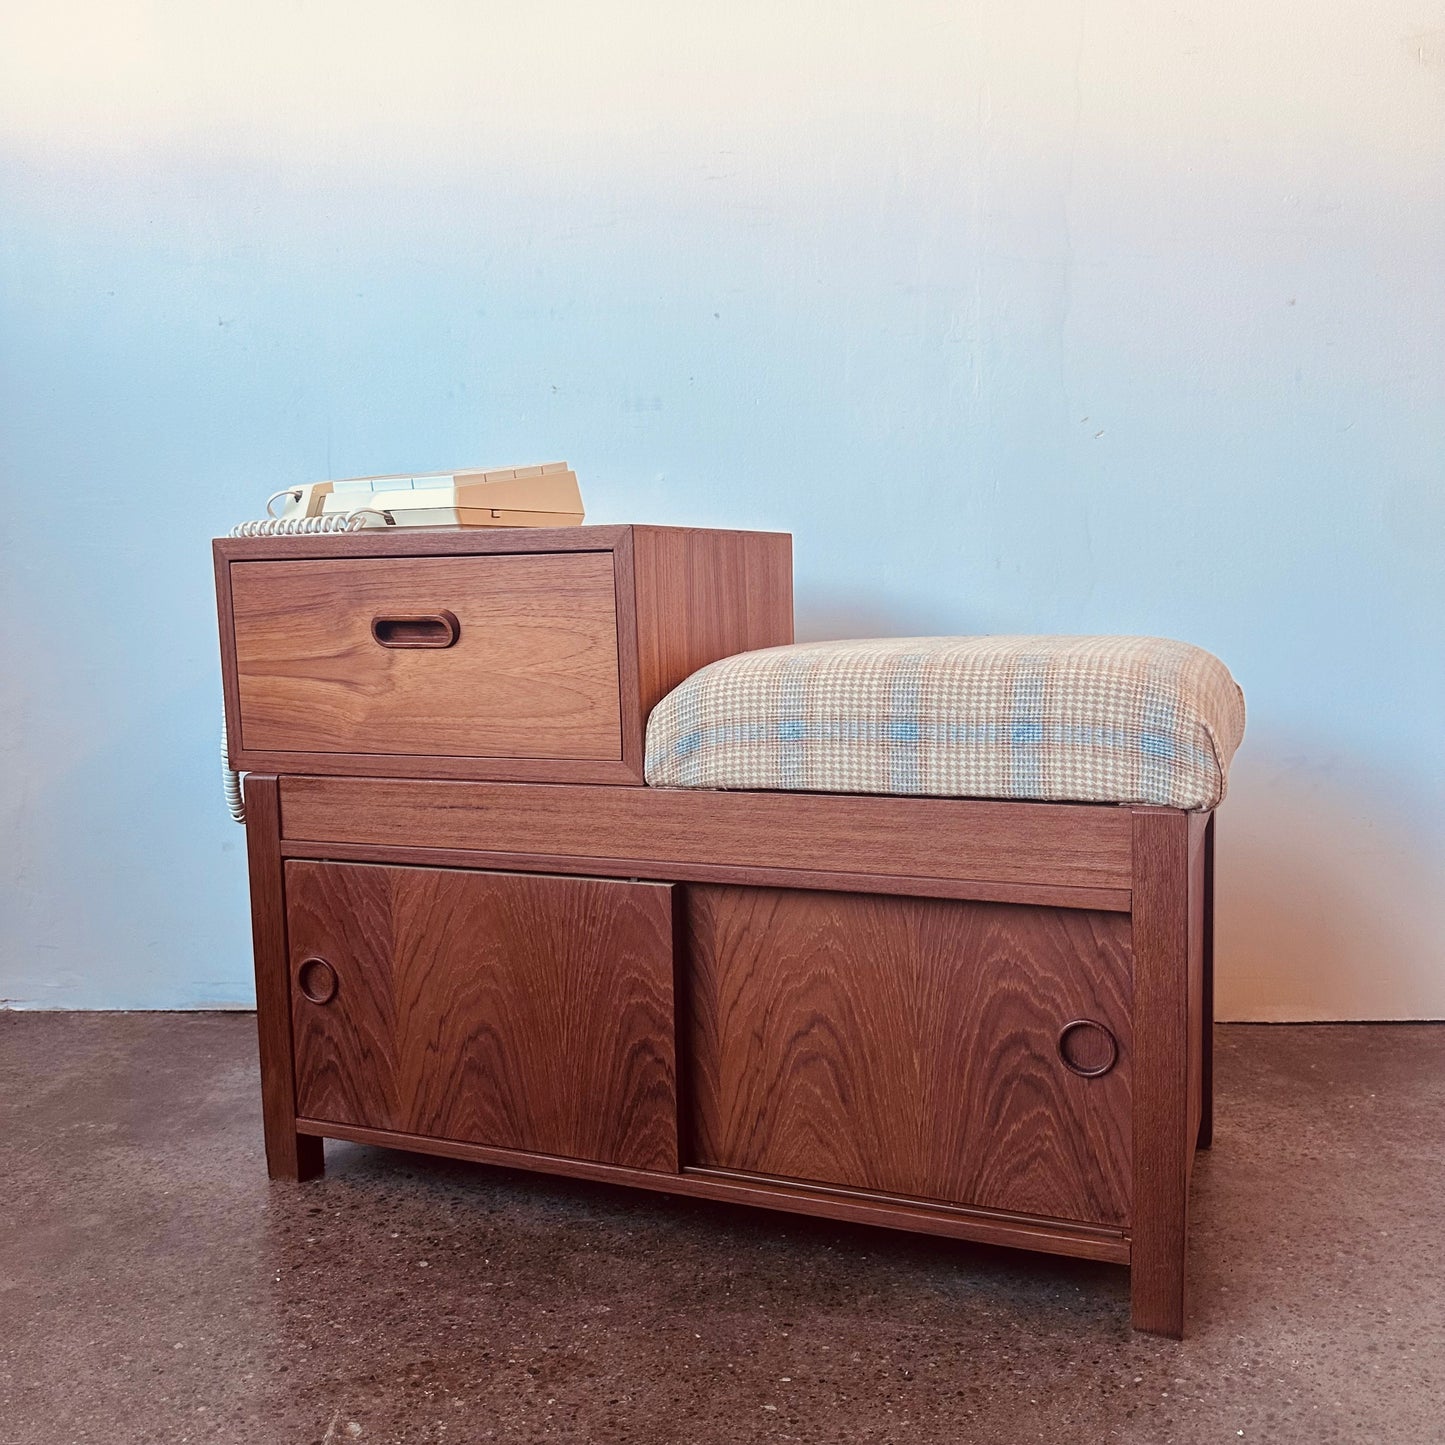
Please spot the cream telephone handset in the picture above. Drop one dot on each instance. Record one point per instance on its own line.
(538, 496)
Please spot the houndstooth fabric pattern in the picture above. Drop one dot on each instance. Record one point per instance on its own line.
(1079, 719)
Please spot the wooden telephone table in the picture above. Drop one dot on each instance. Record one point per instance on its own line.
(478, 934)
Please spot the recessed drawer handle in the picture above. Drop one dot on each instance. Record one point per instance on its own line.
(1088, 1048)
(437, 629)
(317, 980)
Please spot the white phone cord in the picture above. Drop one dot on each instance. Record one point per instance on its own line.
(230, 778)
(274, 526)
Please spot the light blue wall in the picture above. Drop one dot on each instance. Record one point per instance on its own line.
(1052, 317)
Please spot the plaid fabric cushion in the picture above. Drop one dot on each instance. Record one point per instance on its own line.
(1081, 719)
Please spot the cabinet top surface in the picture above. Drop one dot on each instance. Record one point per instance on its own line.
(445, 541)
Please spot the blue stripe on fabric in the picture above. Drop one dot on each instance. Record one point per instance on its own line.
(688, 744)
(905, 761)
(1157, 743)
(1026, 726)
(792, 742)
(792, 724)
(969, 734)
(1156, 746)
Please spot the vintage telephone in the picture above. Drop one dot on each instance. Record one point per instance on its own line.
(540, 496)
(537, 496)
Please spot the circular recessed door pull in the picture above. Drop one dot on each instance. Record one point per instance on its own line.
(317, 980)
(1088, 1048)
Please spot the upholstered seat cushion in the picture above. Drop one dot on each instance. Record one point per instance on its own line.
(1083, 719)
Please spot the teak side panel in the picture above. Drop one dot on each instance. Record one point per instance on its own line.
(1059, 844)
(289, 1154)
(1199, 1032)
(704, 595)
(510, 1010)
(533, 672)
(1205, 1137)
(910, 1047)
(1164, 1138)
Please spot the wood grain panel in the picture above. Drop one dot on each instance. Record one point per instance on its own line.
(533, 674)
(610, 771)
(916, 1216)
(910, 1047)
(289, 1154)
(1163, 1139)
(1110, 900)
(511, 1010)
(420, 542)
(1055, 844)
(1205, 891)
(704, 595)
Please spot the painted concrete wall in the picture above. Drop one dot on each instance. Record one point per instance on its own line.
(1092, 315)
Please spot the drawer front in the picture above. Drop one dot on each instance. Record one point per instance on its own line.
(912, 1047)
(511, 656)
(513, 1010)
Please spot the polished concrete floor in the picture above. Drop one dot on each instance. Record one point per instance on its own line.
(155, 1287)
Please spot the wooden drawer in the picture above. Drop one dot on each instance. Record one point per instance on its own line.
(511, 657)
(529, 655)
(518, 1011)
(912, 1047)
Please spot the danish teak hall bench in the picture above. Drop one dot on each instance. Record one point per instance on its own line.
(546, 874)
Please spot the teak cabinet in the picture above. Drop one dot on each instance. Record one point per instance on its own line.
(478, 935)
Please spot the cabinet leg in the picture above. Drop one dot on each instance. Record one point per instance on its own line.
(294, 1157)
(1156, 1291)
(1163, 1139)
(289, 1155)
(1206, 1042)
